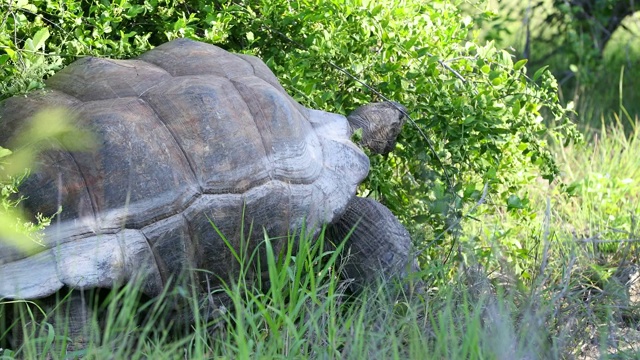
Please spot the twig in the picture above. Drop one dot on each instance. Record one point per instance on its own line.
(565, 286)
(545, 237)
(480, 201)
(595, 240)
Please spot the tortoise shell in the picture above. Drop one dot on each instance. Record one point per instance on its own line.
(188, 135)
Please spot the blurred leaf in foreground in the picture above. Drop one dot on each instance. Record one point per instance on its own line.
(48, 129)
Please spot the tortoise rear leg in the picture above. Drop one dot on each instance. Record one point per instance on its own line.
(69, 316)
(73, 320)
(379, 247)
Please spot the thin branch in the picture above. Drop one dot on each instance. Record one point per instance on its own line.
(480, 201)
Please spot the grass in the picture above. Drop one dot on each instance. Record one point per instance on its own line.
(306, 311)
(576, 247)
(556, 283)
(575, 295)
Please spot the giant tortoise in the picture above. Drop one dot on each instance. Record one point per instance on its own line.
(189, 136)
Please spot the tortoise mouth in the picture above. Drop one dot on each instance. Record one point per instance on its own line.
(381, 123)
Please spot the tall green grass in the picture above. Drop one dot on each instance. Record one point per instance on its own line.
(556, 283)
(570, 256)
(307, 311)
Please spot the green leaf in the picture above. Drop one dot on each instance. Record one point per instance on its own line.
(518, 65)
(494, 74)
(514, 202)
(516, 108)
(28, 45)
(422, 52)
(356, 137)
(4, 152)
(24, 4)
(40, 38)
(376, 10)
(10, 53)
(421, 219)
(539, 73)
(33, 85)
(468, 120)
(574, 188)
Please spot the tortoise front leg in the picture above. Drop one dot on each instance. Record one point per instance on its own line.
(379, 247)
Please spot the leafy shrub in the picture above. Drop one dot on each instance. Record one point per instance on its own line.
(481, 112)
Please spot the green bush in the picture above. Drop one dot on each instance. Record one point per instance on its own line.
(477, 118)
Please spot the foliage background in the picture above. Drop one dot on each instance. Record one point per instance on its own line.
(478, 133)
(591, 46)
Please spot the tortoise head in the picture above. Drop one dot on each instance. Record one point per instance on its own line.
(380, 123)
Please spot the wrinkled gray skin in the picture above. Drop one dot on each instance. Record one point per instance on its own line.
(370, 255)
(369, 248)
(381, 124)
(138, 207)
